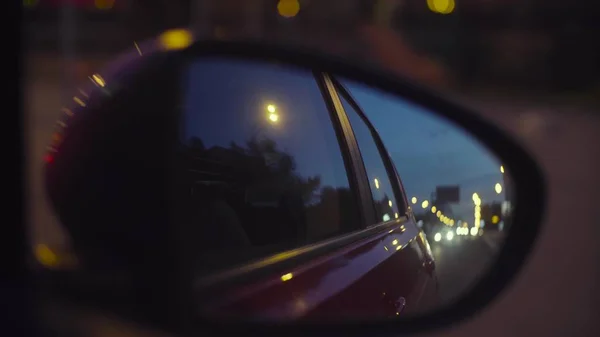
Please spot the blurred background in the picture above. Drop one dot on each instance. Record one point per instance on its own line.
(525, 64)
(504, 54)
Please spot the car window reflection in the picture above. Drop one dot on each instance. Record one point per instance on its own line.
(263, 163)
(385, 201)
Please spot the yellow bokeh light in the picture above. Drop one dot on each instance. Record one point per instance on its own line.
(495, 219)
(30, 3)
(79, 101)
(288, 8)
(501, 169)
(425, 203)
(390, 203)
(46, 256)
(498, 188)
(104, 4)
(413, 200)
(376, 183)
(271, 108)
(96, 78)
(441, 6)
(438, 213)
(273, 117)
(287, 277)
(176, 39)
(433, 209)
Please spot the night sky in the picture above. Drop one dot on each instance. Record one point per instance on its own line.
(428, 151)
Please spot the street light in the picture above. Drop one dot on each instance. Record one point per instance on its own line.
(273, 116)
(413, 200)
(477, 209)
(498, 188)
(433, 209)
(424, 204)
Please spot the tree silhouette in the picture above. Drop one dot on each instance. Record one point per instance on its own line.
(281, 167)
(197, 144)
(305, 210)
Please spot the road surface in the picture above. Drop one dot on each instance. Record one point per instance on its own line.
(461, 261)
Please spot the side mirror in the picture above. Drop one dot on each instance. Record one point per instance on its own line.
(249, 186)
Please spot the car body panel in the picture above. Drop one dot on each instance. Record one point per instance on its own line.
(361, 280)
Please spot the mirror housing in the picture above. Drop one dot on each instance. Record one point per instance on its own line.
(160, 285)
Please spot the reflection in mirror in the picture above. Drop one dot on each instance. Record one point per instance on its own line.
(296, 197)
(280, 210)
(265, 171)
(459, 192)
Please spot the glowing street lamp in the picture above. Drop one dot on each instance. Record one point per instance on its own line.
(477, 209)
(498, 188)
(273, 116)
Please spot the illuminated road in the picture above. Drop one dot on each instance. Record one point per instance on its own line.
(461, 261)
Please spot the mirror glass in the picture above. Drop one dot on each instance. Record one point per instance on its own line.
(280, 211)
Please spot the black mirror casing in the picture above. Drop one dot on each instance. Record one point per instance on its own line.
(101, 144)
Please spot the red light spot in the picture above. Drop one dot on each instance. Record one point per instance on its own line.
(49, 158)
